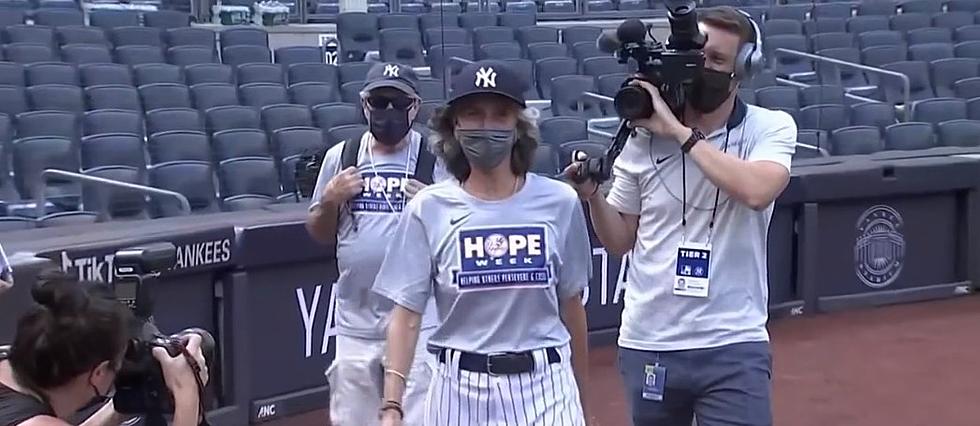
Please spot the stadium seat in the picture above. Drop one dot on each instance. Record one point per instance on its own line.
(880, 38)
(846, 77)
(959, 132)
(438, 58)
(290, 55)
(260, 73)
(98, 74)
(401, 45)
(538, 51)
(826, 117)
(530, 35)
(967, 33)
(27, 53)
(519, 15)
(947, 72)
(12, 74)
(261, 94)
(136, 55)
(191, 55)
(101, 121)
(244, 36)
(546, 69)
(354, 71)
(62, 124)
(525, 69)
(231, 117)
(864, 23)
(115, 203)
(909, 136)
(504, 50)
(929, 35)
(193, 179)
(81, 34)
(136, 36)
(908, 21)
(545, 161)
(876, 56)
(921, 6)
(782, 26)
(446, 36)
(831, 40)
(567, 92)
(165, 95)
(112, 149)
(357, 34)
(487, 35)
(114, 18)
(59, 97)
(86, 53)
(166, 19)
(208, 73)
(113, 96)
(173, 119)
(558, 130)
(190, 36)
(822, 11)
(580, 33)
(292, 142)
(58, 17)
(313, 73)
(398, 20)
(341, 133)
(312, 94)
(778, 97)
(821, 94)
(826, 25)
(338, 114)
(279, 116)
(178, 145)
(936, 110)
(31, 156)
(14, 100)
(930, 51)
(919, 85)
(51, 73)
(235, 143)
(876, 114)
(158, 73)
(855, 140)
(245, 54)
(248, 176)
(35, 34)
(967, 88)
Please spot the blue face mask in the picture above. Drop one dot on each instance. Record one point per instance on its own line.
(486, 148)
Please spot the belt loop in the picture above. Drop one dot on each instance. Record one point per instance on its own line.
(540, 360)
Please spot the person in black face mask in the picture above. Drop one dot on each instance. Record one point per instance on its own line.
(360, 192)
(691, 202)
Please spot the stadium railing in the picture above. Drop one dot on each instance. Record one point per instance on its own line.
(47, 175)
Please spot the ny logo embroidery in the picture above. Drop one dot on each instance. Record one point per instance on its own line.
(486, 78)
(391, 71)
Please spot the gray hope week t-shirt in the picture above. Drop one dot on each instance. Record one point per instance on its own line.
(366, 225)
(497, 268)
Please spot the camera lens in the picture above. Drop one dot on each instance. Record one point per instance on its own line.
(633, 103)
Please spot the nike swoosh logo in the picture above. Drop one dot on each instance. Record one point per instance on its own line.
(453, 222)
(662, 159)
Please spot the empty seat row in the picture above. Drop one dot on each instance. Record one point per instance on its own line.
(60, 16)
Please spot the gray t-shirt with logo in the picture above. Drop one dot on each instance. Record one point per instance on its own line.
(366, 224)
(648, 182)
(497, 269)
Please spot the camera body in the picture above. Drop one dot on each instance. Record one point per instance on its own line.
(140, 386)
(670, 67)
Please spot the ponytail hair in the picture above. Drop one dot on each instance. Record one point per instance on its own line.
(70, 330)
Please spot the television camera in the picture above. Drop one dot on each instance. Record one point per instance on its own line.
(670, 67)
(140, 385)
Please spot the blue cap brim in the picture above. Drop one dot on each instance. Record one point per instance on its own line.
(519, 101)
(394, 84)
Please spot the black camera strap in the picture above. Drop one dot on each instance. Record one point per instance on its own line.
(196, 368)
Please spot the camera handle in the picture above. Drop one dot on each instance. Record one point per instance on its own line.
(600, 169)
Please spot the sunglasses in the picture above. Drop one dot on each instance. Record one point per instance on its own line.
(397, 102)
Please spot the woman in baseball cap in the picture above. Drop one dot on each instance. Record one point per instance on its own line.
(506, 255)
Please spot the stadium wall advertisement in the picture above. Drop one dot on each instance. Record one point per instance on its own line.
(265, 289)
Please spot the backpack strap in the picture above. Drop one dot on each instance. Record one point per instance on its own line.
(425, 163)
(348, 157)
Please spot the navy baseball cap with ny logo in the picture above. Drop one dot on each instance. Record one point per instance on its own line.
(387, 74)
(489, 76)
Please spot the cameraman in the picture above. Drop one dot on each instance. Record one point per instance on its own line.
(692, 199)
(66, 353)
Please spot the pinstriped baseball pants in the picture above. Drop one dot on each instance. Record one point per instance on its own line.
(547, 396)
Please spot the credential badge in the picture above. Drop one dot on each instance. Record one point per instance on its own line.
(879, 251)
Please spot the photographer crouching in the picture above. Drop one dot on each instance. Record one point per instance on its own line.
(68, 350)
(691, 198)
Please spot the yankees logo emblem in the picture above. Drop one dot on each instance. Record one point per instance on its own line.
(486, 78)
(391, 71)
(502, 257)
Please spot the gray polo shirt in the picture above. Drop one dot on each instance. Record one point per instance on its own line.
(647, 182)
